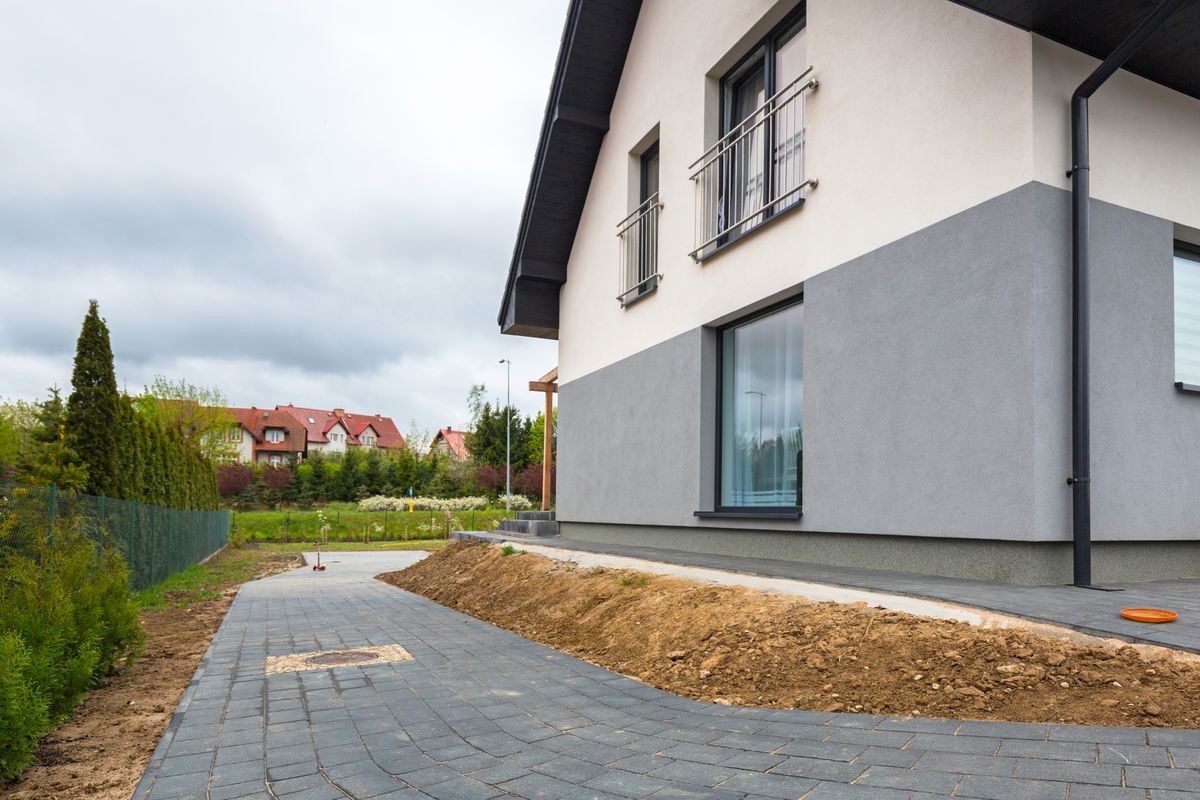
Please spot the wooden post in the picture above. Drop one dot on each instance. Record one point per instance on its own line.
(547, 450)
(549, 385)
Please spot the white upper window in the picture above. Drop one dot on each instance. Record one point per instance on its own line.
(1187, 315)
(274, 434)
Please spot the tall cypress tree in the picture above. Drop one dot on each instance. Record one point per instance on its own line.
(93, 409)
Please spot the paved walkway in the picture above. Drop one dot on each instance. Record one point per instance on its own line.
(480, 712)
(1085, 610)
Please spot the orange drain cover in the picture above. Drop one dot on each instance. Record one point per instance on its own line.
(1149, 615)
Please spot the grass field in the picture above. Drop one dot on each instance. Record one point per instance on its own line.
(235, 565)
(342, 547)
(348, 524)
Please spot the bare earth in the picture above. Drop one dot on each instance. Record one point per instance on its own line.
(102, 751)
(740, 646)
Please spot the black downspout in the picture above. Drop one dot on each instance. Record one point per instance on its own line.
(1080, 480)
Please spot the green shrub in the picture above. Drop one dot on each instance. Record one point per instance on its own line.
(24, 712)
(67, 606)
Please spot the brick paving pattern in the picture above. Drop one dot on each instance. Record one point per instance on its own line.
(480, 712)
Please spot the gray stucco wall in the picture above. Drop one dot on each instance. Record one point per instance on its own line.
(936, 397)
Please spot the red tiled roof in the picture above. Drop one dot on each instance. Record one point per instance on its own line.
(455, 440)
(386, 432)
(258, 420)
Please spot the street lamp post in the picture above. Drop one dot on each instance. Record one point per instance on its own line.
(761, 395)
(508, 437)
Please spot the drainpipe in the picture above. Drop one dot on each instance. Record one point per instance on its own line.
(1080, 480)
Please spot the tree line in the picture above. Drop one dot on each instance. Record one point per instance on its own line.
(368, 472)
(102, 442)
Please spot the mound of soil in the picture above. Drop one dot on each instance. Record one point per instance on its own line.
(745, 647)
(102, 750)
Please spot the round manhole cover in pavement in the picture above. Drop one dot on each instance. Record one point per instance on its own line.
(338, 659)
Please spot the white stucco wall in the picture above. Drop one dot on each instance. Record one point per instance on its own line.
(331, 446)
(1145, 138)
(245, 448)
(906, 128)
(925, 109)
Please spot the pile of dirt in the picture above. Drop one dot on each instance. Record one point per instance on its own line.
(102, 750)
(745, 647)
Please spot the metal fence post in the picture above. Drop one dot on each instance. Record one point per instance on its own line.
(51, 513)
(130, 554)
(153, 541)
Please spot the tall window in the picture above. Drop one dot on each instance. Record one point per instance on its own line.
(762, 411)
(638, 233)
(763, 161)
(1187, 315)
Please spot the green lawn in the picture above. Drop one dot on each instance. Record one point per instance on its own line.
(236, 565)
(348, 524)
(334, 547)
(205, 581)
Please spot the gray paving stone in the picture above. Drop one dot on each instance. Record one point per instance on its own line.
(1062, 751)
(1084, 792)
(480, 713)
(890, 757)
(1069, 771)
(985, 787)
(1159, 778)
(769, 785)
(917, 780)
(820, 769)
(845, 791)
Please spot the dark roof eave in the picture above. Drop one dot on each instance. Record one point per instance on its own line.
(1098, 26)
(591, 57)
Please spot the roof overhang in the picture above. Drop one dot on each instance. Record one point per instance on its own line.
(590, 60)
(591, 57)
(1171, 57)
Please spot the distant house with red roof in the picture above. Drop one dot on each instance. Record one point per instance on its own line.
(273, 436)
(450, 442)
(335, 431)
(266, 436)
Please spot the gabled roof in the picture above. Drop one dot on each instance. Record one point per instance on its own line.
(318, 422)
(456, 441)
(591, 57)
(386, 432)
(258, 420)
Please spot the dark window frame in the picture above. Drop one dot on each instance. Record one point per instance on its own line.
(719, 510)
(761, 55)
(644, 171)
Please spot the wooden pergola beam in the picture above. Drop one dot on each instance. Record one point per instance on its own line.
(548, 384)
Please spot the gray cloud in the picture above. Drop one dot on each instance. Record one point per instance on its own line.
(303, 202)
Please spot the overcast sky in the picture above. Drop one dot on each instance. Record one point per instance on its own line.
(305, 201)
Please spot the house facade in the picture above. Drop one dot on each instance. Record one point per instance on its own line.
(265, 436)
(451, 443)
(809, 266)
(335, 431)
(290, 433)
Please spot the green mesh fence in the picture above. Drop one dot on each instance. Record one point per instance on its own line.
(156, 542)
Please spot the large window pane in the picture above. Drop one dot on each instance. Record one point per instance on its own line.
(1187, 317)
(762, 410)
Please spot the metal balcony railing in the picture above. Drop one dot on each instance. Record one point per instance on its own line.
(638, 237)
(754, 171)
